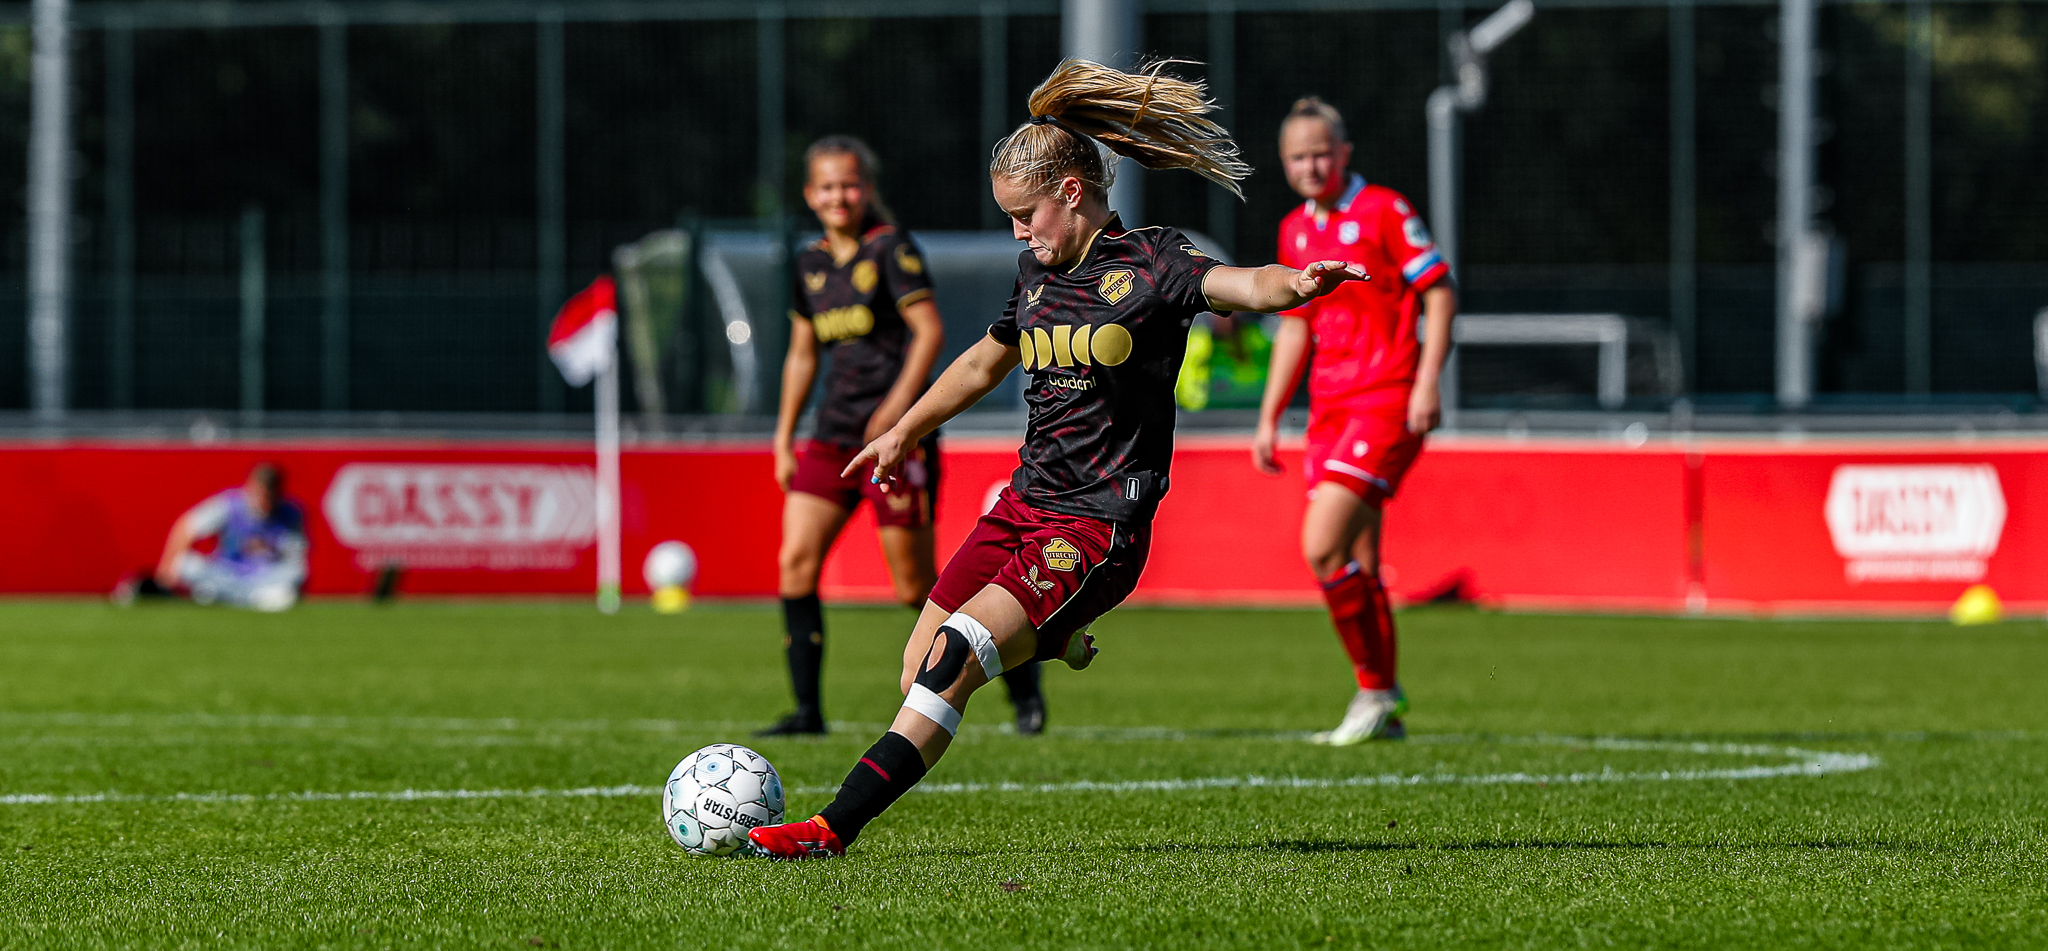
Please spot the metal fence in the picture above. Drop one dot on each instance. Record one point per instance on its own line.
(423, 182)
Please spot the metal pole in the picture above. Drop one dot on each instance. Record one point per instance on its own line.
(252, 311)
(1442, 113)
(1223, 88)
(49, 209)
(1919, 328)
(771, 148)
(608, 485)
(995, 74)
(120, 190)
(551, 204)
(1684, 194)
(334, 289)
(1109, 32)
(1795, 198)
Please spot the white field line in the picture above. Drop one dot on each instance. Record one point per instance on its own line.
(131, 721)
(1804, 763)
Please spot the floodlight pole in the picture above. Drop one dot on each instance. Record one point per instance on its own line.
(1469, 49)
(1108, 32)
(49, 209)
(1798, 305)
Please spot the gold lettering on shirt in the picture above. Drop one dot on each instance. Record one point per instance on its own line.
(840, 323)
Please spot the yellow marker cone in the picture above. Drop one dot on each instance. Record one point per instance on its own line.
(670, 599)
(1978, 605)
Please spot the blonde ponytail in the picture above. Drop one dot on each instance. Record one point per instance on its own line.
(1157, 120)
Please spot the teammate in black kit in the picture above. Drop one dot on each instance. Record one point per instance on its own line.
(862, 292)
(1099, 321)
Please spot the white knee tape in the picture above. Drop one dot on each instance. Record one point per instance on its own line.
(981, 640)
(933, 707)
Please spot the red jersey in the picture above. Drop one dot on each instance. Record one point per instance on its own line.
(1364, 331)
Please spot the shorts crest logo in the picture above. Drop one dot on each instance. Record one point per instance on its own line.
(864, 276)
(908, 261)
(1116, 285)
(814, 282)
(1061, 555)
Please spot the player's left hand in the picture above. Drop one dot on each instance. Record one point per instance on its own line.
(1323, 277)
(886, 454)
(1425, 407)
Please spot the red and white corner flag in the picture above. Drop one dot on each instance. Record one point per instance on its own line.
(583, 340)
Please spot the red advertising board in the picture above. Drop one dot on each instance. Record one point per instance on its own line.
(1716, 525)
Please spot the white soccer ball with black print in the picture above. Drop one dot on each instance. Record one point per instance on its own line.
(716, 795)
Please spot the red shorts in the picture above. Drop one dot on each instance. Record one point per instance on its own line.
(907, 503)
(1368, 453)
(1066, 570)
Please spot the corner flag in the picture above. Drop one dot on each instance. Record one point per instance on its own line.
(583, 340)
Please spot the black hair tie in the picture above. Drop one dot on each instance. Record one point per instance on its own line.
(1041, 120)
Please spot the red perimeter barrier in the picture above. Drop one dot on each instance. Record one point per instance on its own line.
(1740, 526)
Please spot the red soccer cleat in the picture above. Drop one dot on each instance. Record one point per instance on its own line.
(791, 841)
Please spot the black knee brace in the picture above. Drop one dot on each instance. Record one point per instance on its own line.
(952, 659)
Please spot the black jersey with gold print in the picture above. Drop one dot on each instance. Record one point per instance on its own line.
(1103, 338)
(855, 307)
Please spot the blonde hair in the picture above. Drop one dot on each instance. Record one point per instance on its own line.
(864, 157)
(1313, 107)
(1157, 120)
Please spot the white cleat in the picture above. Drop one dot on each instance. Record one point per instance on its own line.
(1373, 715)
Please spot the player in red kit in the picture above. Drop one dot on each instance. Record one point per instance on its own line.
(1098, 320)
(1372, 390)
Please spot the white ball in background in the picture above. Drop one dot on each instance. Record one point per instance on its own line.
(671, 564)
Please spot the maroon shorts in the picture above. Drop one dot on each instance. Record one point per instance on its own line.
(905, 503)
(1366, 452)
(1066, 570)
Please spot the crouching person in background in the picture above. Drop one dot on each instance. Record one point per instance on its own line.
(259, 557)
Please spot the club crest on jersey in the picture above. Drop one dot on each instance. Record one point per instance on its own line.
(1061, 555)
(1036, 584)
(908, 261)
(1065, 345)
(1348, 232)
(1116, 285)
(814, 282)
(864, 275)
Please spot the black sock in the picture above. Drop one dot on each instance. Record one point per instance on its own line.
(1022, 681)
(889, 769)
(803, 625)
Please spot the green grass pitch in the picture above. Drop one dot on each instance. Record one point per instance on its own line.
(172, 776)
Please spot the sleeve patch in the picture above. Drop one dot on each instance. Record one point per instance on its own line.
(1416, 232)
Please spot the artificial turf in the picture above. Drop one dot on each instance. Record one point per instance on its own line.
(1570, 781)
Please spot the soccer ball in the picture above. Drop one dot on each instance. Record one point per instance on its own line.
(671, 564)
(716, 795)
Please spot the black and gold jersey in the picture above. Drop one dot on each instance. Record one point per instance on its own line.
(855, 308)
(1102, 339)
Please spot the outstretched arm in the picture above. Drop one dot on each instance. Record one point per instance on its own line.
(1275, 287)
(977, 372)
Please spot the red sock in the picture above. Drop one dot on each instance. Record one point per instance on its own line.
(1365, 624)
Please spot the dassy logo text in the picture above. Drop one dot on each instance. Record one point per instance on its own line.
(1065, 345)
(840, 323)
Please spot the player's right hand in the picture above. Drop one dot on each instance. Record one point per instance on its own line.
(785, 467)
(1265, 443)
(885, 454)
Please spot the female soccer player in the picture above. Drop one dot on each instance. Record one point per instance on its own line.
(1372, 390)
(1099, 321)
(863, 292)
